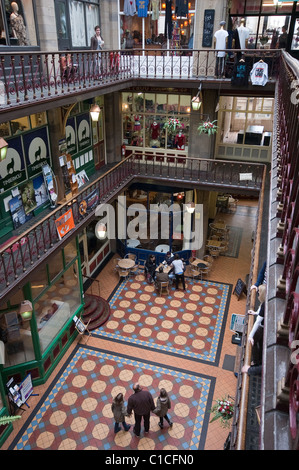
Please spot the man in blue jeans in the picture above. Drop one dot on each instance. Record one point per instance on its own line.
(178, 267)
(142, 403)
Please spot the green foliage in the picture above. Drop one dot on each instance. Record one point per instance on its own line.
(8, 419)
(224, 411)
(208, 127)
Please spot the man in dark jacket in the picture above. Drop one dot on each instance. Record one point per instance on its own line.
(142, 403)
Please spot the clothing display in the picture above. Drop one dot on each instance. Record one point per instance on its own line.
(259, 73)
(155, 129)
(181, 8)
(155, 4)
(243, 33)
(220, 37)
(130, 8)
(19, 29)
(142, 6)
(179, 141)
(168, 20)
(137, 125)
(240, 73)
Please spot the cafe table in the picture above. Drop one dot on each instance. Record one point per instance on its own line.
(219, 225)
(166, 268)
(200, 263)
(126, 263)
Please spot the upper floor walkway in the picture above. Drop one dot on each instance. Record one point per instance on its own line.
(37, 78)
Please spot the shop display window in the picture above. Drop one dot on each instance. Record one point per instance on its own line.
(94, 244)
(146, 128)
(38, 119)
(4, 129)
(39, 281)
(55, 265)
(20, 125)
(70, 251)
(16, 336)
(57, 305)
(18, 24)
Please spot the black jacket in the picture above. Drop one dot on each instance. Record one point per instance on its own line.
(141, 403)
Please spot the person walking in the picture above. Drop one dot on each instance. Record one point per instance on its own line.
(150, 268)
(142, 403)
(96, 44)
(178, 267)
(119, 413)
(163, 405)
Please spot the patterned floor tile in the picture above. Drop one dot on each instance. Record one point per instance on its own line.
(75, 412)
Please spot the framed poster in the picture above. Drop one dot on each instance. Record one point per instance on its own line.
(28, 196)
(36, 148)
(70, 136)
(12, 169)
(17, 212)
(83, 131)
(40, 190)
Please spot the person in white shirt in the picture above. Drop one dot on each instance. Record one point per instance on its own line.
(178, 267)
(220, 44)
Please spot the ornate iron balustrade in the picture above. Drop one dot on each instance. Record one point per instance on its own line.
(31, 77)
(25, 252)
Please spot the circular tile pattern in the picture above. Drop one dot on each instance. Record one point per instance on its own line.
(204, 320)
(207, 310)
(139, 307)
(107, 370)
(202, 332)
(88, 365)
(128, 328)
(150, 320)
(155, 310)
(69, 398)
(58, 418)
(98, 386)
(145, 380)
(130, 294)
(145, 297)
(68, 444)
(89, 404)
(188, 317)
(112, 325)
(162, 336)
(186, 391)
(167, 324)
(79, 381)
(118, 313)
(184, 328)
(198, 344)
(210, 300)
(134, 317)
(45, 440)
(180, 340)
(100, 431)
(212, 291)
(181, 409)
(79, 424)
(126, 375)
(171, 313)
(145, 332)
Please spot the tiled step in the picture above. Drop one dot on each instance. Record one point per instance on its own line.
(96, 310)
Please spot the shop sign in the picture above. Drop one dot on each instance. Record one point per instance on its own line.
(70, 136)
(83, 131)
(65, 223)
(36, 147)
(12, 169)
(89, 202)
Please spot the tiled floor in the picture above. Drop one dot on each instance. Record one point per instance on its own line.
(182, 343)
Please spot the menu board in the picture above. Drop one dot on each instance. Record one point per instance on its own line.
(208, 27)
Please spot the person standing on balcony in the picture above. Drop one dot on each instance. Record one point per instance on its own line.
(283, 38)
(220, 44)
(96, 44)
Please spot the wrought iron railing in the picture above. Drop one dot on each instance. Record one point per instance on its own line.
(31, 77)
(24, 252)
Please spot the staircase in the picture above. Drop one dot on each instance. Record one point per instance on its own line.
(96, 309)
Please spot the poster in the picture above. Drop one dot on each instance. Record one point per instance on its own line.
(70, 136)
(17, 211)
(36, 148)
(40, 190)
(83, 131)
(65, 223)
(12, 169)
(28, 196)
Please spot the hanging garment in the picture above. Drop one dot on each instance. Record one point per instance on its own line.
(155, 7)
(142, 6)
(155, 128)
(259, 73)
(180, 141)
(168, 20)
(240, 74)
(130, 8)
(181, 8)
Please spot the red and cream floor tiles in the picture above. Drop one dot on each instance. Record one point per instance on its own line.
(181, 342)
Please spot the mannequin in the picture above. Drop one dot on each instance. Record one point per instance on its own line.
(155, 128)
(243, 33)
(17, 24)
(180, 140)
(220, 43)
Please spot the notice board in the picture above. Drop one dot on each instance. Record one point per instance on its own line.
(208, 28)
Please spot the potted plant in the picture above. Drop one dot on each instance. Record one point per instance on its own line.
(8, 419)
(224, 411)
(173, 124)
(208, 127)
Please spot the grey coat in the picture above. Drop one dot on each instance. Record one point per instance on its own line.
(163, 405)
(119, 411)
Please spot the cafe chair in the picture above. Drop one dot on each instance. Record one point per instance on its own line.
(115, 263)
(135, 269)
(123, 273)
(163, 287)
(131, 256)
(205, 271)
(214, 252)
(209, 259)
(195, 272)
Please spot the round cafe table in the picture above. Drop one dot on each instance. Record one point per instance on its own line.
(126, 263)
(162, 248)
(133, 243)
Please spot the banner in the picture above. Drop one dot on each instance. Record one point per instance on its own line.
(36, 148)
(12, 169)
(65, 223)
(83, 131)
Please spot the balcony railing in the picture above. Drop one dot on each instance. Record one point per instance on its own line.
(31, 77)
(26, 251)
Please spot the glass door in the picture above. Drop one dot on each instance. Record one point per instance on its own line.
(62, 22)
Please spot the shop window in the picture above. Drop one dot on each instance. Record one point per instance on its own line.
(138, 104)
(92, 19)
(20, 125)
(253, 6)
(16, 336)
(173, 103)
(20, 27)
(57, 306)
(4, 129)
(78, 29)
(55, 265)
(39, 281)
(38, 119)
(150, 102)
(70, 251)
(94, 244)
(184, 104)
(161, 101)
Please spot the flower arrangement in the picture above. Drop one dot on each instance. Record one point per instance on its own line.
(223, 410)
(208, 127)
(173, 124)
